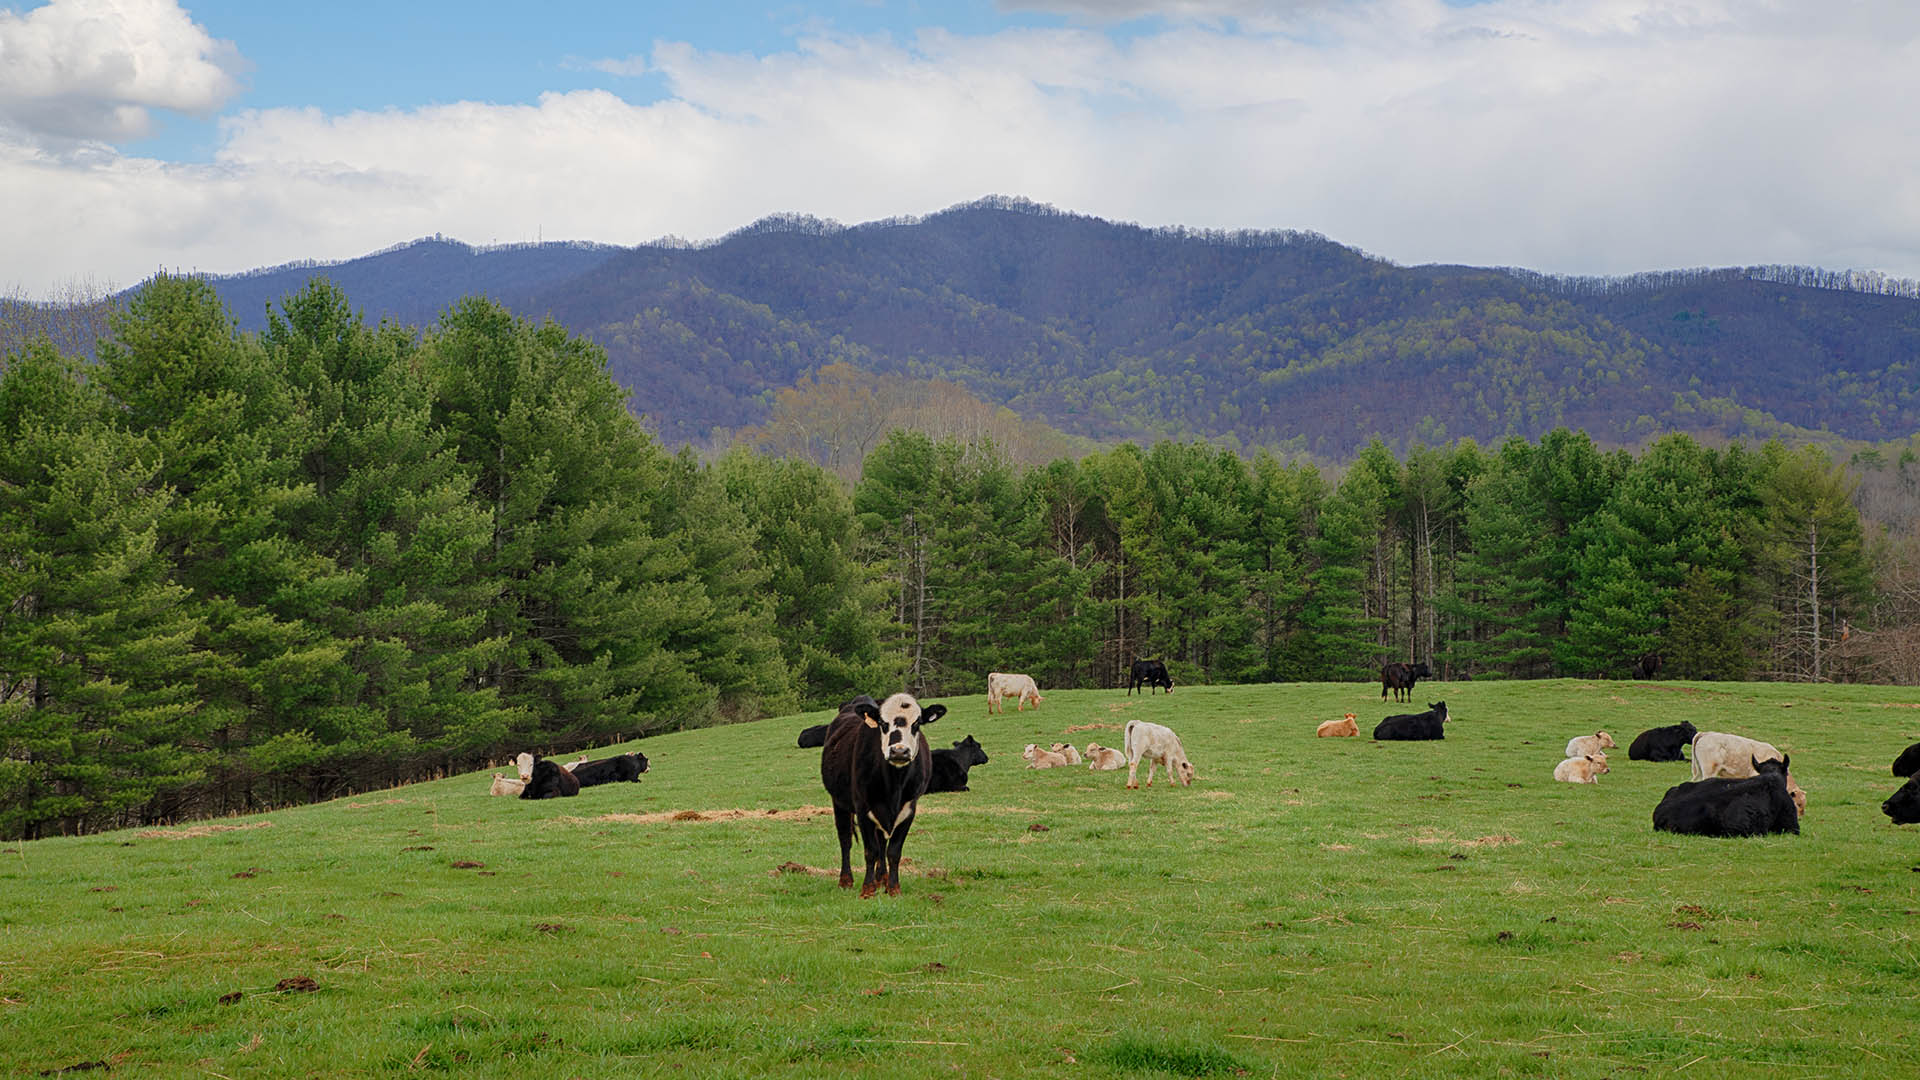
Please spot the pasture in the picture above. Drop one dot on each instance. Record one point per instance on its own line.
(1330, 907)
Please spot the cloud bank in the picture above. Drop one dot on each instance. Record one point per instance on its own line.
(1582, 136)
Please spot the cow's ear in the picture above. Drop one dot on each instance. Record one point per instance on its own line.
(869, 713)
(931, 713)
(869, 720)
(1785, 759)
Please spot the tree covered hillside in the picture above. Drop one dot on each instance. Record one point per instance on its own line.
(1105, 330)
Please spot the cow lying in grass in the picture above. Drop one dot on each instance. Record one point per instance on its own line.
(1104, 758)
(1908, 762)
(550, 781)
(506, 785)
(1663, 743)
(619, 769)
(1067, 750)
(1041, 758)
(950, 766)
(1903, 806)
(1716, 753)
(1345, 727)
(1414, 726)
(1751, 806)
(1581, 770)
(1582, 745)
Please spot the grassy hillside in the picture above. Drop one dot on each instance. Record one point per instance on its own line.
(1308, 907)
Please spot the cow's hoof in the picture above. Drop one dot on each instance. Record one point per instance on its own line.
(893, 890)
(846, 881)
(866, 891)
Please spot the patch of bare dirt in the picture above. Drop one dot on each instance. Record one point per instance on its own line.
(804, 813)
(1092, 727)
(195, 831)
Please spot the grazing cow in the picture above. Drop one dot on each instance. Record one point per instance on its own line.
(505, 785)
(1400, 678)
(1581, 770)
(550, 781)
(1414, 726)
(619, 769)
(1904, 805)
(1038, 758)
(1159, 746)
(1067, 750)
(1104, 758)
(1751, 806)
(524, 763)
(1647, 666)
(1717, 754)
(950, 766)
(1663, 743)
(876, 765)
(1908, 762)
(813, 736)
(1001, 686)
(1582, 745)
(1338, 729)
(1148, 674)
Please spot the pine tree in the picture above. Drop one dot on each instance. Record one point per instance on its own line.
(99, 715)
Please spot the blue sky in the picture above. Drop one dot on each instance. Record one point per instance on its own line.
(1576, 136)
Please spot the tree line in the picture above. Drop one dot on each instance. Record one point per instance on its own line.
(240, 570)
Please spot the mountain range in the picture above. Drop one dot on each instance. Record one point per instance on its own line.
(1110, 330)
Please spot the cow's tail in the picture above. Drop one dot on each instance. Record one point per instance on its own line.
(1126, 744)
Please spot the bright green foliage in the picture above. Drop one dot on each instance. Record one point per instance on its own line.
(1501, 582)
(1339, 619)
(1703, 639)
(827, 610)
(1813, 573)
(98, 649)
(592, 598)
(392, 507)
(1060, 608)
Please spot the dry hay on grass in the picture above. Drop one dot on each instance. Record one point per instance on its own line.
(193, 831)
(1436, 836)
(803, 813)
(1092, 727)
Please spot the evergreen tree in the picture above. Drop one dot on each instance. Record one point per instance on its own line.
(99, 714)
(1343, 631)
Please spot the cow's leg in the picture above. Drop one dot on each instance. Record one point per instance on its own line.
(1151, 762)
(872, 843)
(1133, 768)
(894, 845)
(843, 824)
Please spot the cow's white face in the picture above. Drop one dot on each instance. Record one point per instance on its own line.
(900, 720)
(524, 765)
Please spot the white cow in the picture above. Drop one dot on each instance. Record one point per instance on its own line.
(1159, 746)
(1001, 685)
(1581, 770)
(1716, 753)
(506, 785)
(1038, 758)
(1582, 745)
(1069, 751)
(1104, 758)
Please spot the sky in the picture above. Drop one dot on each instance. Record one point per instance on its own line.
(1568, 136)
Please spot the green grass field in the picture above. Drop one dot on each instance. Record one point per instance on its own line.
(1308, 908)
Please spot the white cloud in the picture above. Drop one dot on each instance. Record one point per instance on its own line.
(92, 69)
(623, 67)
(1587, 136)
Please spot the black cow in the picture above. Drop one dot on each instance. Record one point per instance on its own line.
(1647, 666)
(1663, 743)
(1908, 762)
(618, 769)
(1904, 806)
(876, 765)
(550, 781)
(813, 736)
(1149, 674)
(1400, 678)
(1752, 806)
(950, 766)
(1414, 726)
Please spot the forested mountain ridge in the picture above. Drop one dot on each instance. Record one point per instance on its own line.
(1283, 339)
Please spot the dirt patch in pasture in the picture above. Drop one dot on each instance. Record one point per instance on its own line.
(195, 831)
(803, 813)
(382, 802)
(1434, 836)
(1071, 728)
(1337, 847)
